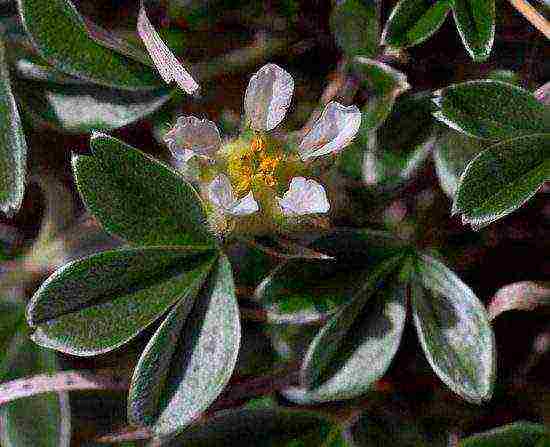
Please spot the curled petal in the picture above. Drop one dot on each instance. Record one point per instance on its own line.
(192, 136)
(220, 193)
(332, 132)
(268, 96)
(304, 197)
(168, 66)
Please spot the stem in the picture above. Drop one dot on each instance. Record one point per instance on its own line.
(531, 14)
(63, 381)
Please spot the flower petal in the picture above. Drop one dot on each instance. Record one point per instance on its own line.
(168, 66)
(244, 206)
(190, 134)
(268, 96)
(220, 192)
(304, 197)
(332, 132)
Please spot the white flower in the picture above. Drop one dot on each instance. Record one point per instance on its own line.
(169, 67)
(192, 136)
(304, 197)
(332, 132)
(220, 193)
(268, 96)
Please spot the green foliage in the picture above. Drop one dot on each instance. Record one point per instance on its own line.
(138, 198)
(475, 22)
(517, 434)
(41, 421)
(13, 147)
(190, 358)
(60, 35)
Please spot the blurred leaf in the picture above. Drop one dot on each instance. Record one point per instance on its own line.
(13, 147)
(522, 295)
(138, 198)
(384, 84)
(454, 331)
(517, 434)
(262, 427)
(96, 304)
(189, 360)
(60, 35)
(502, 178)
(357, 344)
(475, 22)
(356, 27)
(81, 109)
(307, 290)
(491, 109)
(452, 152)
(402, 144)
(543, 94)
(38, 421)
(413, 21)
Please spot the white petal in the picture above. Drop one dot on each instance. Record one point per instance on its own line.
(220, 193)
(168, 66)
(201, 137)
(244, 206)
(304, 197)
(332, 132)
(268, 96)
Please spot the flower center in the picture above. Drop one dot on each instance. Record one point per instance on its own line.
(255, 164)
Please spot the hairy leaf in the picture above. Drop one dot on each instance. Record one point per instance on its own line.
(190, 358)
(413, 21)
(138, 198)
(491, 110)
(522, 295)
(96, 304)
(502, 178)
(61, 36)
(454, 331)
(517, 434)
(475, 21)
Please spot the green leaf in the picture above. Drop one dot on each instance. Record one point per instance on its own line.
(304, 291)
(60, 35)
(413, 21)
(262, 427)
(96, 304)
(502, 178)
(41, 421)
(356, 27)
(452, 152)
(189, 360)
(475, 22)
(517, 434)
(82, 109)
(454, 331)
(401, 145)
(356, 346)
(13, 147)
(138, 198)
(491, 110)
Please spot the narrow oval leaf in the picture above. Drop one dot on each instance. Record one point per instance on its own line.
(491, 110)
(262, 427)
(302, 291)
(356, 27)
(413, 21)
(356, 346)
(475, 22)
(61, 37)
(516, 434)
(13, 147)
(454, 331)
(138, 198)
(502, 178)
(452, 152)
(83, 109)
(522, 295)
(96, 304)
(189, 360)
